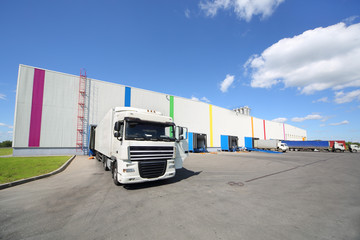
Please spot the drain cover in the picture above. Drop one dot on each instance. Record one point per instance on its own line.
(239, 184)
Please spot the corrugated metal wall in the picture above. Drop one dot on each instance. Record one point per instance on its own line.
(59, 109)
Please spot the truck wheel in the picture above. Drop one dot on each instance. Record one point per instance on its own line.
(354, 151)
(105, 164)
(115, 175)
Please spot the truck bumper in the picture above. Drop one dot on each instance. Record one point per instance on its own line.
(137, 179)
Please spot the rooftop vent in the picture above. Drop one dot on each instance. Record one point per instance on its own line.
(243, 110)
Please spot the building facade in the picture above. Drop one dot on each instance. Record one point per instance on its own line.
(47, 114)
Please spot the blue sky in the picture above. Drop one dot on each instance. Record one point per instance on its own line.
(292, 61)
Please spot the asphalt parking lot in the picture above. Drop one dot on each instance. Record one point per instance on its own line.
(296, 195)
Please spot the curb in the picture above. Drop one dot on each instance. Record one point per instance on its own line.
(26, 180)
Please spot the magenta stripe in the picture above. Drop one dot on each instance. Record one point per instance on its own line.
(36, 108)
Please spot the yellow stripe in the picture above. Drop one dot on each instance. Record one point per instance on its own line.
(252, 126)
(211, 126)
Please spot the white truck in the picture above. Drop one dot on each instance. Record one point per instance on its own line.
(275, 145)
(139, 145)
(354, 148)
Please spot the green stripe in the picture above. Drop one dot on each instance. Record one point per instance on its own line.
(172, 111)
(172, 107)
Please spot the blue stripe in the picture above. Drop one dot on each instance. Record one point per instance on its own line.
(127, 96)
(224, 142)
(191, 142)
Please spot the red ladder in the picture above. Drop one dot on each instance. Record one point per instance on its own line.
(81, 107)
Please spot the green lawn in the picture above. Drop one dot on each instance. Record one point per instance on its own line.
(16, 168)
(6, 151)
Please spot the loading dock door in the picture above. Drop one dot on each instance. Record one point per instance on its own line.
(92, 140)
(233, 143)
(229, 143)
(197, 142)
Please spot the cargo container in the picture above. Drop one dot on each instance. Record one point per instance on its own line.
(273, 144)
(307, 145)
(333, 146)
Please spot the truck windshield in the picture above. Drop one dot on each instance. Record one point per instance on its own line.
(149, 131)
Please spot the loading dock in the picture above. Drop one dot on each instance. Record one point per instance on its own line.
(229, 143)
(92, 139)
(249, 142)
(197, 142)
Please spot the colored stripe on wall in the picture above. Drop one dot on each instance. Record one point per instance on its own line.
(264, 130)
(191, 143)
(211, 126)
(252, 127)
(36, 108)
(127, 96)
(172, 107)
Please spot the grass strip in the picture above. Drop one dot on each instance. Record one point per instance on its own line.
(6, 151)
(16, 168)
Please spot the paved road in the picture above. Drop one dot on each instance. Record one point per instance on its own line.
(216, 196)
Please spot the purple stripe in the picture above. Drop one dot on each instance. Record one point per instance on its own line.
(36, 108)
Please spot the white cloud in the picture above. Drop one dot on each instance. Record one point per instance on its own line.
(224, 85)
(339, 123)
(350, 20)
(5, 125)
(308, 117)
(318, 59)
(324, 99)
(341, 97)
(2, 96)
(280, 120)
(194, 98)
(187, 13)
(205, 99)
(324, 119)
(244, 9)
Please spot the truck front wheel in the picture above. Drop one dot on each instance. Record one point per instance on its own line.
(106, 168)
(115, 174)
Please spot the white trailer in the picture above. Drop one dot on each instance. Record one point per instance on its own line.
(139, 145)
(275, 145)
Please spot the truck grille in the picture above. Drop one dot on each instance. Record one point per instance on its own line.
(152, 169)
(151, 153)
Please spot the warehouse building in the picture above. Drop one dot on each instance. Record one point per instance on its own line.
(54, 113)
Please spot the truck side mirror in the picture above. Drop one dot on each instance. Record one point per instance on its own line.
(117, 126)
(117, 134)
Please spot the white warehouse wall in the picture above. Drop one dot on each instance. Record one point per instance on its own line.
(59, 112)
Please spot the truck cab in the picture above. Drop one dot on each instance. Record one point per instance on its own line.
(338, 147)
(283, 147)
(140, 145)
(354, 148)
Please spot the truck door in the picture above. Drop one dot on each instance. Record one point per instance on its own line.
(182, 146)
